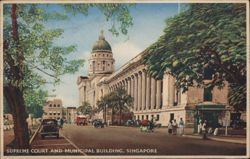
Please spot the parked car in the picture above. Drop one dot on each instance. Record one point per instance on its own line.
(49, 128)
(130, 123)
(98, 123)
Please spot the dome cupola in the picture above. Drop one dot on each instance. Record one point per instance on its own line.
(101, 45)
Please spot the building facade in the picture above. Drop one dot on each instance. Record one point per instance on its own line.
(53, 109)
(158, 99)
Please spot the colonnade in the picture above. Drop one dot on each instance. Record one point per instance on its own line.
(145, 90)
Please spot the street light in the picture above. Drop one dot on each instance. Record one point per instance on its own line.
(106, 107)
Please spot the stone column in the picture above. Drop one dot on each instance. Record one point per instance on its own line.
(148, 91)
(165, 92)
(171, 90)
(152, 93)
(129, 86)
(132, 86)
(158, 94)
(139, 91)
(143, 90)
(136, 93)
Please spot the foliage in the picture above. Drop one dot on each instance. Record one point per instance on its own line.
(32, 58)
(117, 13)
(41, 56)
(34, 101)
(6, 108)
(204, 38)
(85, 109)
(105, 102)
(121, 100)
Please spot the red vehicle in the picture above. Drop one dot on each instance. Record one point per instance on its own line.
(81, 120)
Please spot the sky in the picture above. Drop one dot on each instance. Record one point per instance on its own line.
(83, 31)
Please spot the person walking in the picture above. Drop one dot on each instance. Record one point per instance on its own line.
(181, 127)
(204, 130)
(170, 127)
(174, 124)
(200, 126)
(61, 123)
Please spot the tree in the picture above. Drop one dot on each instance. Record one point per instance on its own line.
(104, 103)
(121, 101)
(85, 109)
(34, 101)
(205, 41)
(29, 51)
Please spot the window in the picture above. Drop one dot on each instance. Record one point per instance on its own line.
(50, 105)
(142, 117)
(176, 97)
(208, 73)
(58, 105)
(171, 116)
(157, 117)
(58, 113)
(208, 94)
(50, 113)
(152, 116)
(69, 114)
(45, 113)
(54, 113)
(54, 105)
(147, 117)
(138, 117)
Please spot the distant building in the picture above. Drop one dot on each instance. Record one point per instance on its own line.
(53, 109)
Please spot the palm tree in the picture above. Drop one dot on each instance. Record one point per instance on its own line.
(104, 104)
(122, 101)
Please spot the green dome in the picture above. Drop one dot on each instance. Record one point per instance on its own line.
(102, 45)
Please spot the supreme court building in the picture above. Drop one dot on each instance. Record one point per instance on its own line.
(158, 99)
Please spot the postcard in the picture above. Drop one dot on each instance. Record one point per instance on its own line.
(124, 79)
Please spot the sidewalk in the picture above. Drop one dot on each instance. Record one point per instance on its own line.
(237, 139)
(8, 137)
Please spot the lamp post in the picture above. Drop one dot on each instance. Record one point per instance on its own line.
(106, 107)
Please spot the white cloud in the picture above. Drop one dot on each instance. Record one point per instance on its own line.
(123, 52)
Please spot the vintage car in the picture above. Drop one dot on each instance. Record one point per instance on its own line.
(98, 123)
(49, 127)
(81, 120)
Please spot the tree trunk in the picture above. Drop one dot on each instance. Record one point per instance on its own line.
(15, 100)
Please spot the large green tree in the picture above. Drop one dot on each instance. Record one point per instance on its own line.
(106, 102)
(30, 53)
(205, 41)
(85, 109)
(121, 101)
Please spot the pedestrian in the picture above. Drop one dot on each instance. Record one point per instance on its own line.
(200, 126)
(174, 124)
(204, 130)
(181, 127)
(151, 125)
(61, 123)
(170, 127)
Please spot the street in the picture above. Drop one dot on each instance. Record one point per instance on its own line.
(130, 141)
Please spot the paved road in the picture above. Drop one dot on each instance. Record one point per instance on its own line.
(53, 146)
(130, 141)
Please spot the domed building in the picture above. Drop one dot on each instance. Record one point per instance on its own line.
(156, 99)
(101, 60)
